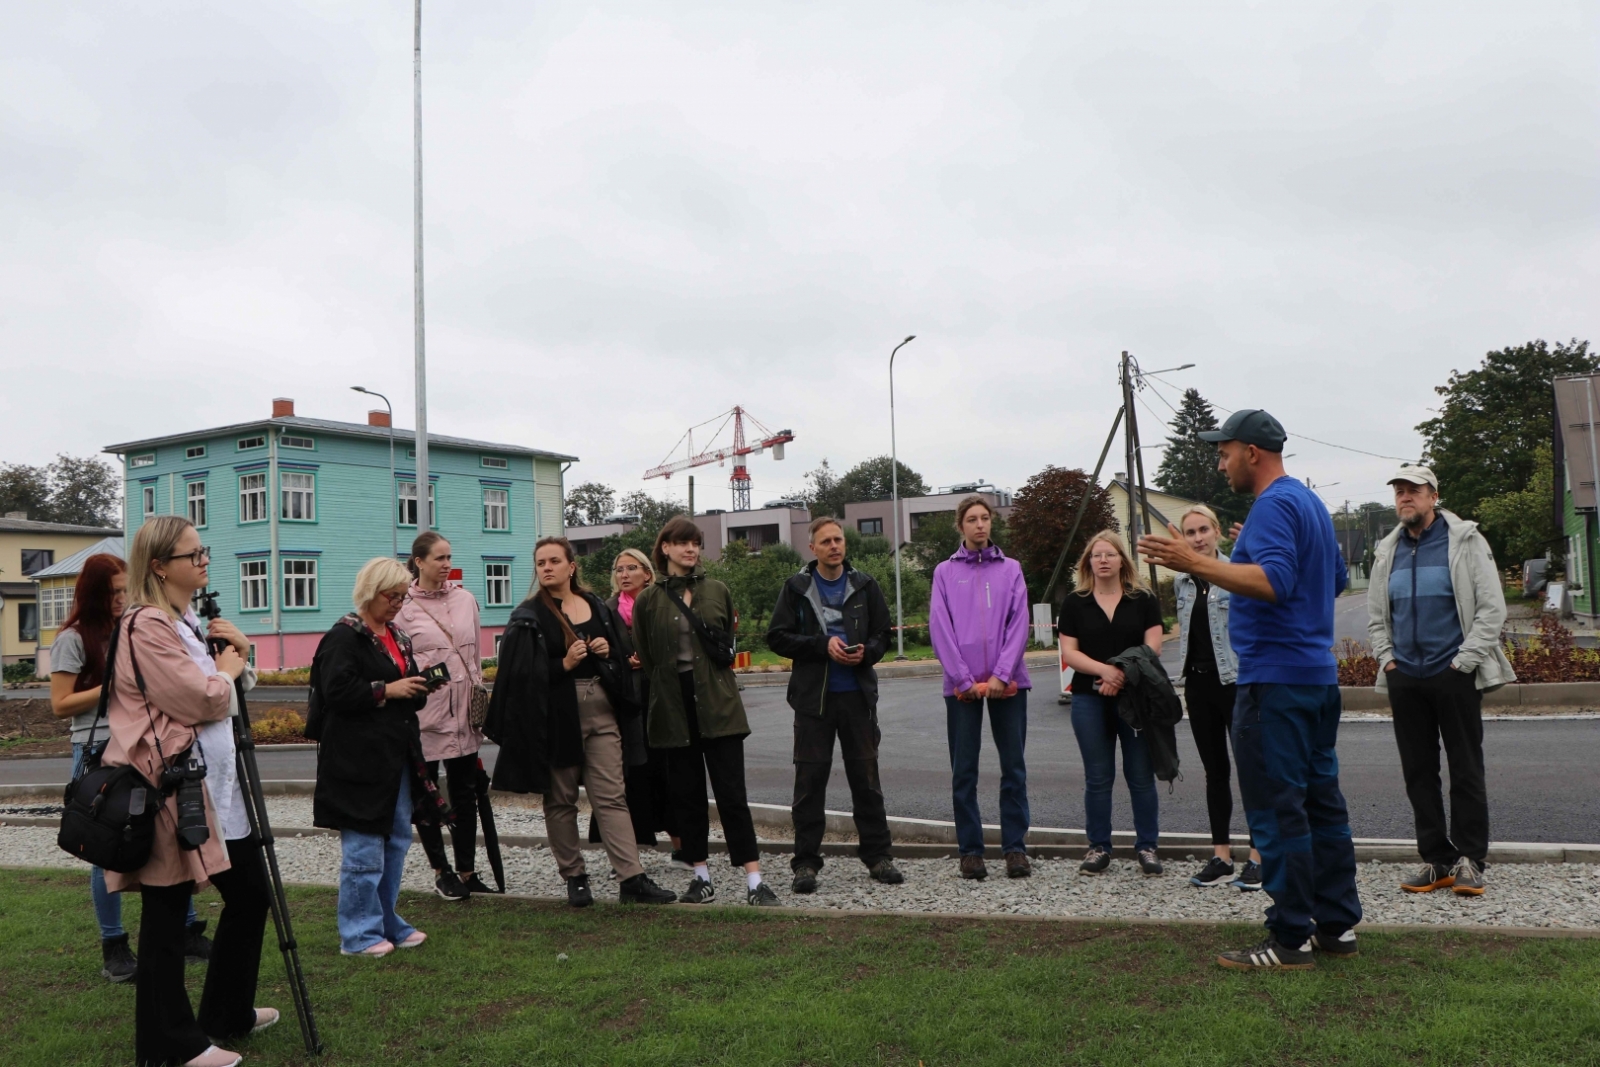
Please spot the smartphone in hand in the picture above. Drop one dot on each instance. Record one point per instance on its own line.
(851, 650)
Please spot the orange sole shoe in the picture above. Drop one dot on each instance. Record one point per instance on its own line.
(1466, 890)
(1446, 882)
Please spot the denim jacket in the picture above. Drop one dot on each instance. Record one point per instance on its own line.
(1217, 607)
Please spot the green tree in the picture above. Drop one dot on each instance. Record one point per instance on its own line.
(1523, 521)
(869, 480)
(653, 514)
(754, 581)
(84, 491)
(595, 568)
(1042, 516)
(936, 539)
(822, 491)
(25, 489)
(1189, 465)
(1485, 439)
(589, 504)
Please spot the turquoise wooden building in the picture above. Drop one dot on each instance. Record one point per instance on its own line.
(292, 507)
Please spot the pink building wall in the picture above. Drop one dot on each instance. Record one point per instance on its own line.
(298, 649)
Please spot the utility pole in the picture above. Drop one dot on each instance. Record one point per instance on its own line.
(894, 493)
(424, 497)
(691, 496)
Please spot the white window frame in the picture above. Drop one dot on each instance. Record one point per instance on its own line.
(496, 510)
(304, 495)
(255, 585)
(497, 584)
(406, 503)
(55, 604)
(195, 452)
(146, 460)
(253, 498)
(299, 584)
(148, 496)
(196, 502)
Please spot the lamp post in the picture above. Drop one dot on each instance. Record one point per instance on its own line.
(394, 533)
(424, 517)
(894, 494)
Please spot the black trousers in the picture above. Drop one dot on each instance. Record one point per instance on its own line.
(1446, 707)
(721, 758)
(462, 775)
(847, 716)
(1210, 707)
(165, 1028)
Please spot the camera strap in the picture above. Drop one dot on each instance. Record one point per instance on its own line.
(138, 678)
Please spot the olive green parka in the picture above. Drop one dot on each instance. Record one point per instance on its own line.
(718, 710)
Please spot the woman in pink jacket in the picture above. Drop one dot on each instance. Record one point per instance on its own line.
(441, 618)
(978, 620)
(169, 698)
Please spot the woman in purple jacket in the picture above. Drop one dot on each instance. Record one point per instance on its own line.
(979, 623)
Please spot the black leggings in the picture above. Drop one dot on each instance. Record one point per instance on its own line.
(1210, 706)
(462, 772)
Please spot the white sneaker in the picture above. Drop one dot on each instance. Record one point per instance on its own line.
(215, 1057)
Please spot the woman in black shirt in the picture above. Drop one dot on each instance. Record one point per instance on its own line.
(1110, 611)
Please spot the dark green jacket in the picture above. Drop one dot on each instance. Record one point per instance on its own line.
(718, 709)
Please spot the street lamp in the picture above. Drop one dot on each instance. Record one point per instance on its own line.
(394, 533)
(894, 493)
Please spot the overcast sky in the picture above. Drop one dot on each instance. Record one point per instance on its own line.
(639, 215)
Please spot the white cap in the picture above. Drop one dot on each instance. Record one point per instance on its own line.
(1416, 475)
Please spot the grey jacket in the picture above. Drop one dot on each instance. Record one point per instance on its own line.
(1480, 604)
(1217, 609)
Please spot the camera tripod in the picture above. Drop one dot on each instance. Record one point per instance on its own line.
(255, 806)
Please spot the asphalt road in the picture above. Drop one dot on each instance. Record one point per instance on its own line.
(1536, 769)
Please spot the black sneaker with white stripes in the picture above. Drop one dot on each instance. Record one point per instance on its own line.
(1216, 872)
(1342, 947)
(700, 891)
(1269, 956)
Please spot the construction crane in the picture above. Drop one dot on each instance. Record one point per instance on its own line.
(740, 448)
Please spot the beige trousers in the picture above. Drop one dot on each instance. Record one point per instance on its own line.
(601, 774)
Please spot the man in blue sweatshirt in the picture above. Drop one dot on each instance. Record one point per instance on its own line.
(1285, 572)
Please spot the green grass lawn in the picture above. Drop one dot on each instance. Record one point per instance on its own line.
(681, 987)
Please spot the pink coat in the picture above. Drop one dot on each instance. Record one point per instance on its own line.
(443, 627)
(180, 698)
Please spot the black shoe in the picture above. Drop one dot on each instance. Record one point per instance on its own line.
(447, 885)
(679, 862)
(196, 945)
(475, 885)
(805, 880)
(1095, 861)
(641, 890)
(886, 872)
(1216, 871)
(1149, 862)
(1342, 947)
(762, 896)
(1269, 956)
(578, 892)
(700, 891)
(1249, 880)
(120, 963)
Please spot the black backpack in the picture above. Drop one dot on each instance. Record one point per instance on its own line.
(110, 818)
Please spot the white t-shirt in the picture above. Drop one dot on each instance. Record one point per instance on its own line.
(216, 742)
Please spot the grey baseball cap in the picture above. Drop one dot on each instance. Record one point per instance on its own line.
(1416, 475)
(1251, 426)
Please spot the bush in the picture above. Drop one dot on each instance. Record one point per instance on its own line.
(292, 676)
(278, 726)
(19, 672)
(1357, 667)
(1552, 657)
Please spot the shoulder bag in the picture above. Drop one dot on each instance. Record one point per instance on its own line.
(717, 642)
(478, 702)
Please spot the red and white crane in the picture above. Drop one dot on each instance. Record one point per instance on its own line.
(740, 448)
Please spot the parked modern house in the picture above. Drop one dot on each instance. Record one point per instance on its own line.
(586, 539)
(291, 507)
(875, 518)
(53, 589)
(758, 528)
(26, 548)
(1576, 452)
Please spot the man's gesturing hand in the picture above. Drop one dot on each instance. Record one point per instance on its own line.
(1172, 552)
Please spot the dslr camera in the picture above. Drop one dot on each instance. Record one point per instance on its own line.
(186, 779)
(436, 675)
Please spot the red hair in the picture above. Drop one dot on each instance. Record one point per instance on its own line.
(91, 614)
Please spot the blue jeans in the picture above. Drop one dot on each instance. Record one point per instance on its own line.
(369, 880)
(1283, 741)
(1008, 724)
(108, 906)
(1089, 717)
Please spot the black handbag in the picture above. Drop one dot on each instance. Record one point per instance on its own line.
(717, 642)
(110, 817)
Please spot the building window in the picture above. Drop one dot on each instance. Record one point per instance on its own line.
(1575, 564)
(27, 621)
(252, 656)
(197, 503)
(253, 585)
(497, 578)
(498, 463)
(297, 442)
(407, 492)
(253, 498)
(194, 452)
(497, 509)
(54, 606)
(497, 640)
(35, 560)
(245, 444)
(870, 527)
(299, 496)
(149, 501)
(146, 460)
(299, 584)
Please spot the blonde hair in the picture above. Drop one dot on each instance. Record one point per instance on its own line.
(376, 576)
(155, 540)
(639, 558)
(1203, 512)
(1131, 582)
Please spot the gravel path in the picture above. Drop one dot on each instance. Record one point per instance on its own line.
(1529, 895)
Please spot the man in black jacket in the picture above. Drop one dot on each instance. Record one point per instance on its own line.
(833, 622)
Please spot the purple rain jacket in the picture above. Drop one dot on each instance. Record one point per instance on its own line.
(978, 619)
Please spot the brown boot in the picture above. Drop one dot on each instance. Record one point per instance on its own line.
(1017, 865)
(972, 867)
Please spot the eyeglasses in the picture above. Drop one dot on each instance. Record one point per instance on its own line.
(199, 557)
(395, 598)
